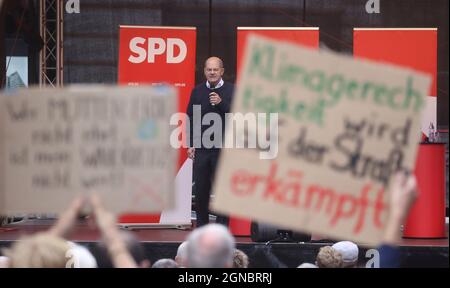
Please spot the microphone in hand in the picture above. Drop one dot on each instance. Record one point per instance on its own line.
(210, 98)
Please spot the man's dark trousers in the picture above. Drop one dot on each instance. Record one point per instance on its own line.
(205, 163)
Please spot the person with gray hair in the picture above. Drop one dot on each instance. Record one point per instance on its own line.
(165, 263)
(181, 257)
(307, 265)
(211, 246)
(349, 252)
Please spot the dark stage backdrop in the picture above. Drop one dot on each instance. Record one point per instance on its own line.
(91, 37)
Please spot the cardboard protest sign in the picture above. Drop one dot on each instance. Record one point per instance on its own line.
(344, 128)
(57, 143)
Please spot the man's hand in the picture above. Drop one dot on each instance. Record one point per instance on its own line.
(68, 219)
(191, 153)
(214, 98)
(114, 242)
(402, 194)
(106, 221)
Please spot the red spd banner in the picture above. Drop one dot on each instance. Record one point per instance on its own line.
(156, 55)
(414, 48)
(306, 36)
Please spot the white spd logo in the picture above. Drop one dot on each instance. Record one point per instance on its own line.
(147, 50)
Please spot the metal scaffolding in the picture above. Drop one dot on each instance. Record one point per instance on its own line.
(51, 56)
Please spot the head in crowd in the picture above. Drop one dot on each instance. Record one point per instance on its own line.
(81, 257)
(307, 265)
(210, 246)
(133, 245)
(4, 262)
(328, 257)
(165, 263)
(349, 252)
(41, 250)
(181, 257)
(240, 259)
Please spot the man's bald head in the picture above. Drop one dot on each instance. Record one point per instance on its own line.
(214, 61)
(210, 246)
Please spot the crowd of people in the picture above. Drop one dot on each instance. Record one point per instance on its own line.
(209, 246)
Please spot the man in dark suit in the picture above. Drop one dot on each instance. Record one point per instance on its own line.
(214, 96)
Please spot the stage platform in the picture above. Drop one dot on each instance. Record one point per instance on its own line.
(163, 243)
